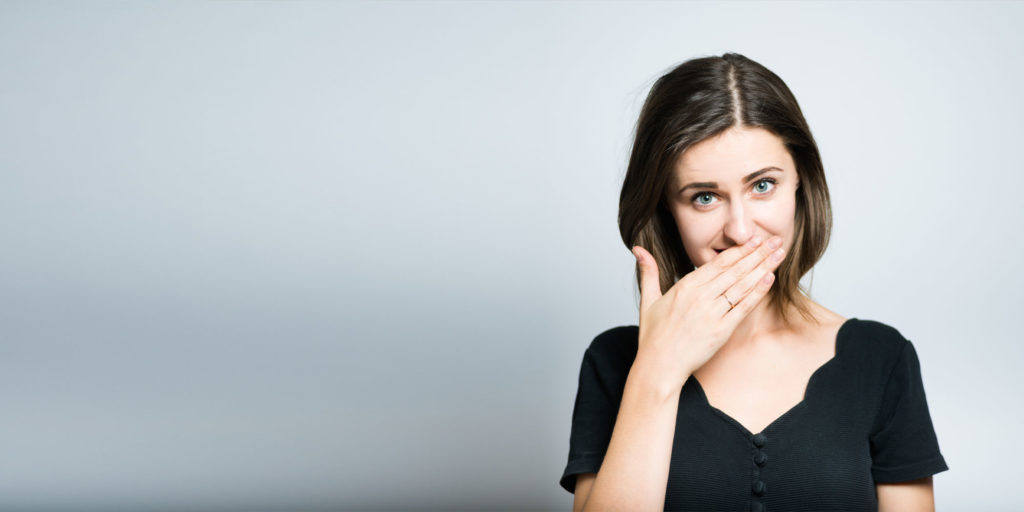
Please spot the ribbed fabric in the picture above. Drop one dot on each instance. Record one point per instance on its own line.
(864, 420)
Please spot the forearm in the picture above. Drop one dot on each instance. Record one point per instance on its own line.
(634, 473)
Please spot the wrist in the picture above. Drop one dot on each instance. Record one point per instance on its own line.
(651, 378)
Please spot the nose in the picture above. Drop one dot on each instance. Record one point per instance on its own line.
(738, 226)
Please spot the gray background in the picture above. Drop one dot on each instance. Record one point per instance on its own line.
(319, 256)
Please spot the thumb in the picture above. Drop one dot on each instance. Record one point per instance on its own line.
(650, 285)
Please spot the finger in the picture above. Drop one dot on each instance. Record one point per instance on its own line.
(748, 284)
(723, 261)
(732, 275)
(650, 285)
(733, 316)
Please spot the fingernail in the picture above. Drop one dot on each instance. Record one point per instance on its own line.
(774, 242)
(777, 255)
(755, 241)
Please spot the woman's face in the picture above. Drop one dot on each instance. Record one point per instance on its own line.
(726, 189)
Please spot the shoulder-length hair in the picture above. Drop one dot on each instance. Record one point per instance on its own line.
(699, 99)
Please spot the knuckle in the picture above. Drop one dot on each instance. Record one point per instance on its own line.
(761, 287)
(753, 284)
(769, 262)
(765, 249)
(736, 272)
(679, 287)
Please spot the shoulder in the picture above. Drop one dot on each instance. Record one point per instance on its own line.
(877, 333)
(615, 345)
(876, 342)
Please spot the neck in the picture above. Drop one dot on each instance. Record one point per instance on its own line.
(762, 323)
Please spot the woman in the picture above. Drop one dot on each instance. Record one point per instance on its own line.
(737, 391)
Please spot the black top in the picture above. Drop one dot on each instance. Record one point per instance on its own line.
(864, 419)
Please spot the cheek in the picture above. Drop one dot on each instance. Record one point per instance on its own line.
(695, 229)
(783, 219)
(783, 222)
(779, 213)
(696, 237)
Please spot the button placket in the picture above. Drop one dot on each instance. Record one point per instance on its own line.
(758, 487)
(759, 440)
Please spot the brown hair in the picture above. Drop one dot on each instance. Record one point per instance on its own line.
(699, 99)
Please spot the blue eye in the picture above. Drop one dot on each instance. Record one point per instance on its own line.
(757, 188)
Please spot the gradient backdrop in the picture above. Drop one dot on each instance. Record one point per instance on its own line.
(347, 255)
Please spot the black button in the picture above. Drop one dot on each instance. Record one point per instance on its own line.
(760, 458)
(759, 440)
(756, 507)
(759, 487)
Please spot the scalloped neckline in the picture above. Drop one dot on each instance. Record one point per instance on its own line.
(792, 410)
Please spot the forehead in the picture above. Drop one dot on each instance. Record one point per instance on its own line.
(733, 154)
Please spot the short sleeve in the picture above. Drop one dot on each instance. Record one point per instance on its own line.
(602, 379)
(903, 441)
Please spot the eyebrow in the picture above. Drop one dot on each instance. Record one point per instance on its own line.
(713, 184)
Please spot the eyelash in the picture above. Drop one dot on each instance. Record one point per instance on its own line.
(694, 197)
